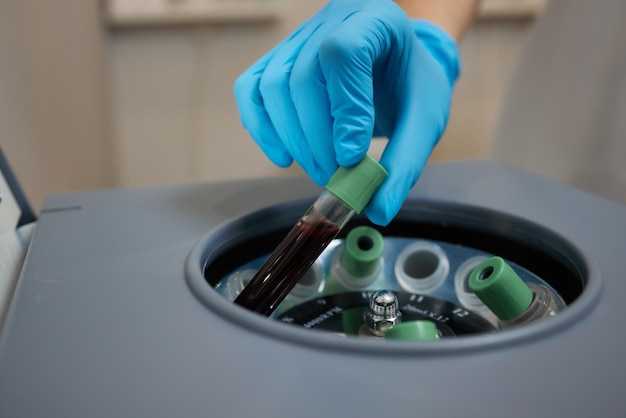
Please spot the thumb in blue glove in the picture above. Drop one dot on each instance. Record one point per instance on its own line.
(355, 67)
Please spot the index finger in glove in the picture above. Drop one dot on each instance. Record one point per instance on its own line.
(254, 117)
(347, 57)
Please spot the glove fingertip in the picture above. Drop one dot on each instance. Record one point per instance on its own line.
(381, 211)
(319, 177)
(349, 153)
(280, 158)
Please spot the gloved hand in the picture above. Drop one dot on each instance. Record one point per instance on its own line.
(356, 67)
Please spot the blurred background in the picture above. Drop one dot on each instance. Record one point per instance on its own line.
(122, 93)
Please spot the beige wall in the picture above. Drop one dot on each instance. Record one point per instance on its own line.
(85, 104)
(489, 51)
(172, 95)
(53, 105)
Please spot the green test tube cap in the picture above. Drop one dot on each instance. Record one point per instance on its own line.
(500, 288)
(362, 250)
(352, 320)
(413, 331)
(356, 185)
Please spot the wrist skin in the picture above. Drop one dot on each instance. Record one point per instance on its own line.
(453, 16)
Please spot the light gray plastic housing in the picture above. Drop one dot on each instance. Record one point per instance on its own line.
(113, 314)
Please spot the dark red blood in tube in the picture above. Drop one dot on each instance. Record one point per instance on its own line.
(286, 266)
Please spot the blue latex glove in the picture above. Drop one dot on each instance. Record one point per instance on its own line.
(355, 68)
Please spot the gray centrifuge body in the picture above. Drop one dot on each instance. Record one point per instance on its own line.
(112, 316)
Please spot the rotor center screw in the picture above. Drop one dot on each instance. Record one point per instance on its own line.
(383, 312)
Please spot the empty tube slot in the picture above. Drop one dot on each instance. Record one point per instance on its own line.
(422, 267)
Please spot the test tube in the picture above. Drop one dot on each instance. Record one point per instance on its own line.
(420, 330)
(347, 192)
(511, 299)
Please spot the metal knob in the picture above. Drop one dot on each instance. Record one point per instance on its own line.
(383, 312)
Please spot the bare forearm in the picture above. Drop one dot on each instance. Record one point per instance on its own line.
(454, 16)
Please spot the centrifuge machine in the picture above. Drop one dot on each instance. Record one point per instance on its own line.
(124, 306)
